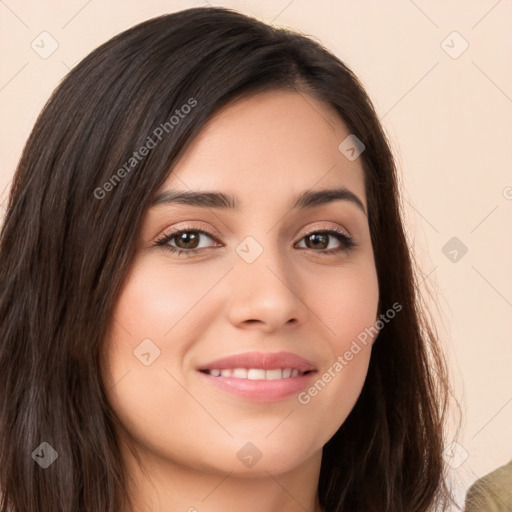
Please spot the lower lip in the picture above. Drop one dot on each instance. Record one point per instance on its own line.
(261, 390)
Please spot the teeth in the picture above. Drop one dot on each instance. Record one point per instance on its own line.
(256, 373)
(274, 374)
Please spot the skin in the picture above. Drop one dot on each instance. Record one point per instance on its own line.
(264, 149)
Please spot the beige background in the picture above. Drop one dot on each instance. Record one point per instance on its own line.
(448, 115)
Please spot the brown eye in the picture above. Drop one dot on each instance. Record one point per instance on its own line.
(187, 240)
(317, 241)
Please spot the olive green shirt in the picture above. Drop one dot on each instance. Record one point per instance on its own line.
(491, 493)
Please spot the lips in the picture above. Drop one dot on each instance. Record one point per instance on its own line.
(258, 376)
(261, 360)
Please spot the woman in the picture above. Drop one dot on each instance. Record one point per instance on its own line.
(207, 297)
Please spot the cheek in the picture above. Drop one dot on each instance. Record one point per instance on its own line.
(148, 332)
(348, 310)
(137, 350)
(346, 300)
(333, 394)
(150, 318)
(156, 319)
(161, 301)
(154, 299)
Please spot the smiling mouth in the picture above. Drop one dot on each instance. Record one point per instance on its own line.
(256, 373)
(258, 384)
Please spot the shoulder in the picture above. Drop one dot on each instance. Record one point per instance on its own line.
(492, 492)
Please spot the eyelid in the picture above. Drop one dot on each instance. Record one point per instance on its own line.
(166, 235)
(348, 242)
(322, 227)
(213, 233)
(201, 227)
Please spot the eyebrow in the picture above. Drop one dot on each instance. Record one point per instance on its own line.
(213, 199)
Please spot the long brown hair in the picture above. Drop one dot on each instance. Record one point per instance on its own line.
(68, 241)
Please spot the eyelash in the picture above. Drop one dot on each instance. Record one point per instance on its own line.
(348, 243)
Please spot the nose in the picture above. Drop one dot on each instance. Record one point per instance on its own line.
(266, 294)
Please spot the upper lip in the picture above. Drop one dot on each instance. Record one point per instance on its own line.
(262, 360)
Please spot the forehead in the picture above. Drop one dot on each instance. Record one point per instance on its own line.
(270, 146)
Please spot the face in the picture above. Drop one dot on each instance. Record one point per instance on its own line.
(266, 278)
